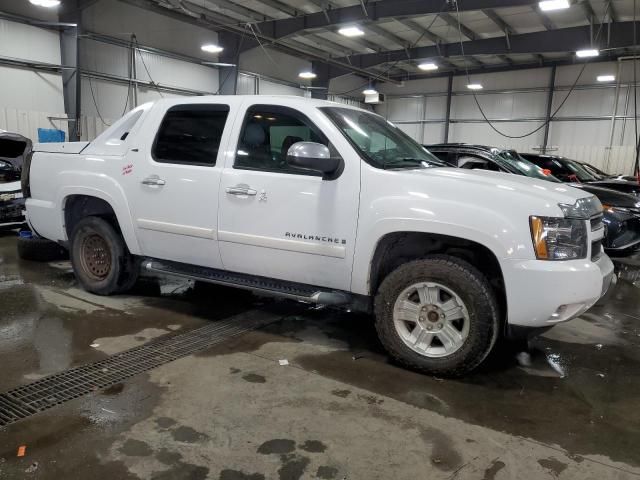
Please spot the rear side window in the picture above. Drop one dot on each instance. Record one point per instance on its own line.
(190, 134)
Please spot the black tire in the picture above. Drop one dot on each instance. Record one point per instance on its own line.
(101, 261)
(472, 288)
(38, 249)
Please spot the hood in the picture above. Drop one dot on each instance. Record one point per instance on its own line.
(611, 197)
(632, 188)
(519, 184)
(14, 148)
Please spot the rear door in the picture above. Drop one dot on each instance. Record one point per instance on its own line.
(173, 176)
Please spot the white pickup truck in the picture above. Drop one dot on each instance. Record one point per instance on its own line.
(325, 203)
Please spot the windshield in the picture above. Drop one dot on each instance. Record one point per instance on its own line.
(519, 165)
(579, 171)
(381, 144)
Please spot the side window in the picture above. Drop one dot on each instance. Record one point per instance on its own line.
(190, 134)
(444, 156)
(267, 134)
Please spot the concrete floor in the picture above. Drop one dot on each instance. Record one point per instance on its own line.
(339, 410)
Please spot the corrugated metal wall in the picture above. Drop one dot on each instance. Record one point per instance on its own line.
(28, 98)
(516, 102)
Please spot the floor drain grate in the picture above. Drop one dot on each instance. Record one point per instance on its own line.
(27, 400)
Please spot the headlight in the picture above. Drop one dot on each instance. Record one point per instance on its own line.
(559, 238)
(584, 208)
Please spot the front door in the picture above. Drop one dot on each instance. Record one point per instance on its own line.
(174, 178)
(279, 221)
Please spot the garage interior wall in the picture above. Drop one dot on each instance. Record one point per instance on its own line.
(27, 97)
(31, 98)
(516, 101)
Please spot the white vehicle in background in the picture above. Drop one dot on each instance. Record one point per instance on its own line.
(14, 148)
(322, 203)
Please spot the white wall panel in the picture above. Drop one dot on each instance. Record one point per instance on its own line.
(499, 106)
(119, 19)
(273, 64)
(432, 133)
(266, 87)
(169, 71)
(30, 43)
(247, 84)
(483, 134)
(29, 90)
(27, 122)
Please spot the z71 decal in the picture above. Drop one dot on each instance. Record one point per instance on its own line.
(127, 169)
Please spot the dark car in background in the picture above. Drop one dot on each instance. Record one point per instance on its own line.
(621, 216)
(602, 175)
(14, 148)
(568, 170)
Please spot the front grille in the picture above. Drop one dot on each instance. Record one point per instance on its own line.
(596, 246)
(596, 223)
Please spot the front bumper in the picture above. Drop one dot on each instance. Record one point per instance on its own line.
(12, 211)
(543, 293)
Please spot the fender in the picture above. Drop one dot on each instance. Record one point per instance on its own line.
(111, 192)
(367, 244)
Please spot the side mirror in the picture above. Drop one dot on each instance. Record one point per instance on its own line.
(315, 157)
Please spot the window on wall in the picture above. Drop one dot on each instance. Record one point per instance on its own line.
(268, 133)
(190, 134)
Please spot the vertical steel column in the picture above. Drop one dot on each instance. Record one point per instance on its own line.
(613, 117)
(134, 74)
(228, 76)
(447, 117)
(321, 82)
(71, 79)
(552, 84)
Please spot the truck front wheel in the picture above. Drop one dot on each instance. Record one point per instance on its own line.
(437, 315)
(100, 259)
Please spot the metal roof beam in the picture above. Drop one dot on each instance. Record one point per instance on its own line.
(416, 27)
(567, 39)
(453, 21)
(373, 28)
(497, 19)
(375, 11)
(588, 11)
(544, 19)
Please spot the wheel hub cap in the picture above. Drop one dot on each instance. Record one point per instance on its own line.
(431, 319)
(95, 256)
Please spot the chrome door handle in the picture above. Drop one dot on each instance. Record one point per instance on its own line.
(240, 190)
(153, 180)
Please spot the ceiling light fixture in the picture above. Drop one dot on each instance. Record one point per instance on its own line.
(591, 52)
(370, 91)
(549, 5)
(307, 75)
(606, 78)
(474, 86)
(428, 66)
(211, 48)
(45, 3)
(350, 31)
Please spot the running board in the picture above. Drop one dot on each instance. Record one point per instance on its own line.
(268, 286)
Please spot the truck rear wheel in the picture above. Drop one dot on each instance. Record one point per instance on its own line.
(437, 315)
(100, 258)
